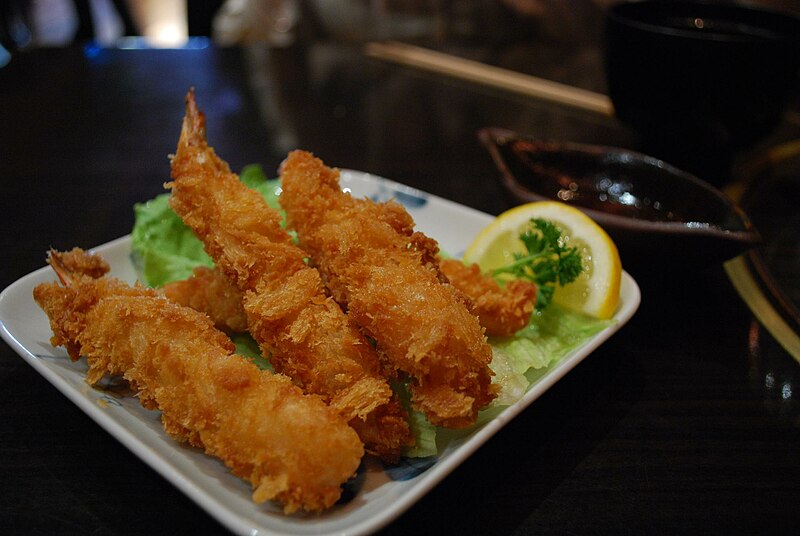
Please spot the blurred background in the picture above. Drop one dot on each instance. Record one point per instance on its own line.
(568, 31)
(554, 40)
(551, 39)
(171, 23)
(295, 49)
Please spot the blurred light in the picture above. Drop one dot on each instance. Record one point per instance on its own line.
(769, 381)
(142, 43)
(697, 225)
(5, 56)
(163, 23)
(566, 195)
(627, 199)
(166, 34)
(108, 25)
(92, 50)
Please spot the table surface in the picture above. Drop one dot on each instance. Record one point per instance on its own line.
(687, 420)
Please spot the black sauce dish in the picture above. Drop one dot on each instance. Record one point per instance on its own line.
(700, 81)
(659, 216)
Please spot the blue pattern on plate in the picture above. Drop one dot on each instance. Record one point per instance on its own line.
(351, 488)
(405, 469)
(409, 468)
(406, 199)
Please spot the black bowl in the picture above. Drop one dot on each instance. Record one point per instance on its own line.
(658, 215)
(700, 80)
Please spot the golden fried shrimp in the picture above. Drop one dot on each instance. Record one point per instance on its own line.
(77, 262)
(387, 277)
(209, 291)
(75, 300)
(291, 447)
(305, 332)
(502, 311)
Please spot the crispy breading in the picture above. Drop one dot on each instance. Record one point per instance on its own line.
(304, 332)
(387, 277)
(208, 290)
(77, 262)
(502, 310)
(291, 447)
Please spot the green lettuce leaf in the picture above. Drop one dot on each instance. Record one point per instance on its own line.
(246, 346)
(424, 432)
(164, 249)
(549, 336)
(253, 176)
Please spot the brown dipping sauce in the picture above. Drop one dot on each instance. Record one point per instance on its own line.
(577, 179)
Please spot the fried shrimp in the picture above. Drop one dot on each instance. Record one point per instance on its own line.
(387, 278)
(303, 331)
(502, 310)
(210, 292)
(291, 447)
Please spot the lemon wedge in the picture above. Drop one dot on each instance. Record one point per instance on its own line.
(595, 292)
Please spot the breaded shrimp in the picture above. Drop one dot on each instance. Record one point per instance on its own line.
(303, 331)
(209, 291)
(291, 447)
(502, 311)
(387, 277)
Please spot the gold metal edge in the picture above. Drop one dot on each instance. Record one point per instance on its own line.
(744, 283)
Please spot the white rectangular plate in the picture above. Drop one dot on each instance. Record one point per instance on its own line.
(380, 495)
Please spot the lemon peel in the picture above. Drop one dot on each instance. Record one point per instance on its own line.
(595, 292)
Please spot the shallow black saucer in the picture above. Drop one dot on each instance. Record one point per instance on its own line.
(659, 216)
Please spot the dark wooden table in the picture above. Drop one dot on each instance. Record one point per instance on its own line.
(686, 421)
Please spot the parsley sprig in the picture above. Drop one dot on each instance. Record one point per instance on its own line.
(548, 262)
